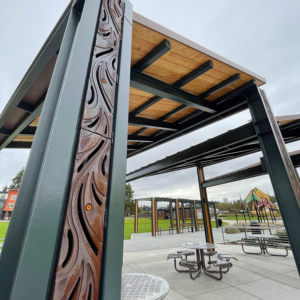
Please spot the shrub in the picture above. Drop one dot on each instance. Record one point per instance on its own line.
(232, 230)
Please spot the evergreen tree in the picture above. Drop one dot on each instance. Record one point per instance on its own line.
(16, 182)
(5, 188)
(129, 203)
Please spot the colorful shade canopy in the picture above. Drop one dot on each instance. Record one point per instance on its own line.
(260, 197)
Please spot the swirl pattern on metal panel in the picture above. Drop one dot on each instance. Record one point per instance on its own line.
(79, 264)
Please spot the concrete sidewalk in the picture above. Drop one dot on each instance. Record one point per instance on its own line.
(252, 277)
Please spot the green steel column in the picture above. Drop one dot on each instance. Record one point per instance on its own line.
(13, 245)
(205, 208)
(114, 234)
(37, 261)
(282, 173)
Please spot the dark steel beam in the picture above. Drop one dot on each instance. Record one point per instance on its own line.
(284, 178)
(221, 85)
(30, 130)
(194, 74)
(154, 86)
(145, 105)
(180, 83)
(47, 52)
(135, 121)
(5, 131)
(26, 106)
(24, 123)
(232, 144)
(232, 137)
(139, 138)
(250, 172)
(19, 145)
(229, 104)
(152, 56)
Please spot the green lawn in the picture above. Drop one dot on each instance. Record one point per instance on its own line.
(145, 226)
(3, 229)
(240, 217)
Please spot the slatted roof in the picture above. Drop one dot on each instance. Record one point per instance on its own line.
(232, 144)
(176, 86)
(251, 171)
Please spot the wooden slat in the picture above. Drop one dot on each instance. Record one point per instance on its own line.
(133, 129)
(180, 114)
(148, 132)
(24, 138)
(143, 37)
(35, 122)
(159, 109)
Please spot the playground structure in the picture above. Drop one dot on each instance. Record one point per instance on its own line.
(177, 213)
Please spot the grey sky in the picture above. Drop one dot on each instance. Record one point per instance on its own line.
(262, 36)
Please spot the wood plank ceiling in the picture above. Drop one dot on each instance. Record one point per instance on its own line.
(175, 64)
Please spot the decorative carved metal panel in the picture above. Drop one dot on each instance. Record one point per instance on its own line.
(79, 264)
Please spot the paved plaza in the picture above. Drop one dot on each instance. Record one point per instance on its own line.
(252, 277)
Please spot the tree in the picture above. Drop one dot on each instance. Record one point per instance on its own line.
(5, 188)
(127, 211)
(16, 182)
(129, 193)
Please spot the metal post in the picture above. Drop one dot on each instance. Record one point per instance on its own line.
(205, 209)
(216, 218)
(235, 212)
(195, 216)
(156, 217)
(136, 217)
(183, 212)
(13, 245)
(171, 214)
(282, 173)
(153, 214)
(177, 216)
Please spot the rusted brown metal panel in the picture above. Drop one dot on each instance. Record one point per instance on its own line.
(79, 264)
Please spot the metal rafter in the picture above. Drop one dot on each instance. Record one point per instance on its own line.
(136, 121)
(228, 104)
(215, 150)
(221, 85)
(152, 56)
(154, 86)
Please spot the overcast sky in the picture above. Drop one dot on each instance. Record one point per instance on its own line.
(260, 35)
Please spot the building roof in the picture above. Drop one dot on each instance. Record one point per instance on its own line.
(176, 86)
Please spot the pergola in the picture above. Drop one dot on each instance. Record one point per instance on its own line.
(154, 213)
(106, 85)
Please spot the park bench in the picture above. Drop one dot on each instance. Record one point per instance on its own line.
(189, 226)
(170, 229)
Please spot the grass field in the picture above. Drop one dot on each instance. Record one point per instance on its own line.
(145, 226)
(3, 229)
